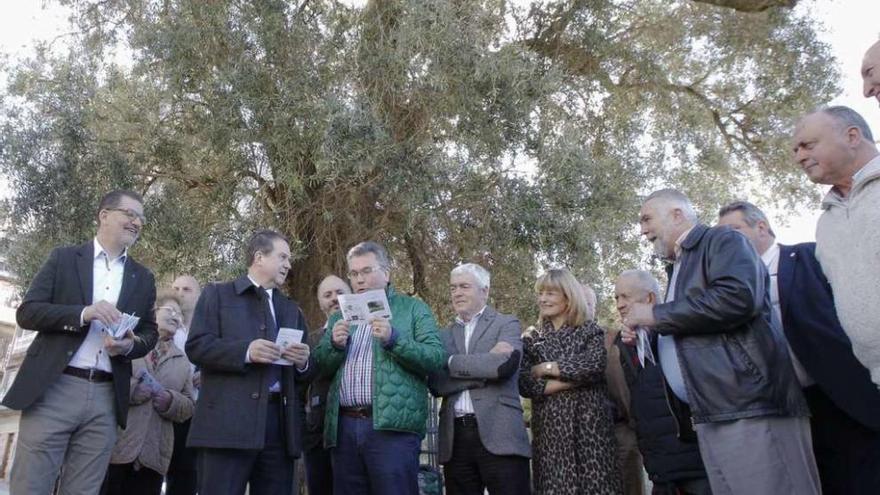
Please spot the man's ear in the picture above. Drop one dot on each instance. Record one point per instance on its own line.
(652, 298)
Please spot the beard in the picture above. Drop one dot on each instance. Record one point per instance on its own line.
(661, 249)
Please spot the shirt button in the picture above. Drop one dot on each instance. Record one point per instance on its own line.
(255, 395)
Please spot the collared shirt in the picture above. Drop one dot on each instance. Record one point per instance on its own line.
(106, 284)
(666, 343)
(356, 385)
(770, 257)
(464, 405)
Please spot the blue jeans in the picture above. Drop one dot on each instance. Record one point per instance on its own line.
(370, 462)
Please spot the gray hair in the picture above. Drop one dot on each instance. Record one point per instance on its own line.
(479, 273)
(367, 247)
(645, 281)
(677, 199)
(846, 117)
(751, 214)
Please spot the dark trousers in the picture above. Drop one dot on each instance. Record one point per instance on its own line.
(181, 476)
(319, 471)
(266, 472)
(472, 468)
(847, 453)
(370, 462)
(698, 486)
(124, 479)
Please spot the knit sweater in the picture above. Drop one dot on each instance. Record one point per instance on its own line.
(848, 248)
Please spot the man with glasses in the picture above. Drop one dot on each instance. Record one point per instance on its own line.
(73, 386)
(377, 404)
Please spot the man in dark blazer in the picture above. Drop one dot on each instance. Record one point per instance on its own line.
(247, 420)
(844, 403)
(483, 439)
(73, 385)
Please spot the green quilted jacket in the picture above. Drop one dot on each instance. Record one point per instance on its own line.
(400, 393)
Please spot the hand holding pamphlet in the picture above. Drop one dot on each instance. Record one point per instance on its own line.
(359, 308)
(287, 336)
(150, 382)
(126, 323)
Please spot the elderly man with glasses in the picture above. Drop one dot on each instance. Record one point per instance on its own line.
(377, 404)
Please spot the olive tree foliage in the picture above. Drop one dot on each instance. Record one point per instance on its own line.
(515, 135)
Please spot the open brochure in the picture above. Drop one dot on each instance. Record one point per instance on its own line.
(287, 336)
(359, 308)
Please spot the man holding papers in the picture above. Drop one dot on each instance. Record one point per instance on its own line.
(246, 424)
(72, 388)
(378, 401)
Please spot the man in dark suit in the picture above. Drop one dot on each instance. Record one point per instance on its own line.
(73, 385)
(246, 422)
(844, 403)
(483, 439)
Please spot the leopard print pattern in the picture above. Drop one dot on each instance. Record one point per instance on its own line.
(573, 446)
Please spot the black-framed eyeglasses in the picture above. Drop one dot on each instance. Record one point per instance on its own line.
(131, 214)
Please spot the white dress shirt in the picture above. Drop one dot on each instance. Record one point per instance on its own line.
(106, 284)
(464, 405)
(770, 257)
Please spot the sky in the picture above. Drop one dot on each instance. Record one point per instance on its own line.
(850, 27)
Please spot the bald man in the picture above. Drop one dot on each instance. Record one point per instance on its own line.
(871, 72)
(181, 477)
(319, 473)
(834, 146)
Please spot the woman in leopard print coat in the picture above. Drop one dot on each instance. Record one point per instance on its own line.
(563, 372)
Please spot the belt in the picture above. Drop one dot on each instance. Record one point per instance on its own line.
(469, 420)
(356, 412)
(90, 374)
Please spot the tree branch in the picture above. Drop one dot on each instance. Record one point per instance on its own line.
(750, 5)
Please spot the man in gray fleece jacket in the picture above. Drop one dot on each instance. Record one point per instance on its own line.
(834, 146)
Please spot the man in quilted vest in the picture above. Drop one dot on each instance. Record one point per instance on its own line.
(377, 404)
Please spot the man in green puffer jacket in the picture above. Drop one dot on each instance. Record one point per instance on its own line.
(377, 404)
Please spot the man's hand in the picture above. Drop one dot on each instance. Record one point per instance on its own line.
(298, 353)
(501, 348)
(102, 311)
(640, 314)
(263, 351)
(381, 329)
(541, 370)
(340, 333)
(162, 401)
(197, 379)
(628, 336)
(118, 347)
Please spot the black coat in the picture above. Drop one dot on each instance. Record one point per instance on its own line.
(52, 307)
(669, 448)
(233, 400)
(734, 359)
(817, 339)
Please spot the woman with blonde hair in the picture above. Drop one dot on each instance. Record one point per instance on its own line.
(563, 372)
